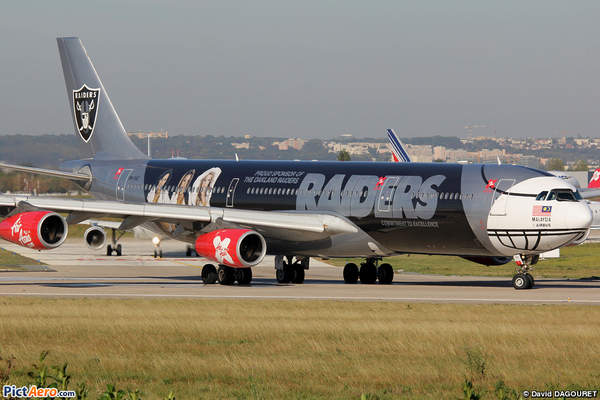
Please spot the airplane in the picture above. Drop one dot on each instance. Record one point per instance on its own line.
(400, 154)
(235, 212)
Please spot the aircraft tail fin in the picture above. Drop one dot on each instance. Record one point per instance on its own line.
(97, 125)
(595, 181)
(398, 151)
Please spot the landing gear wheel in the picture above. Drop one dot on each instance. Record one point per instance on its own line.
(109, 250)
(385, 274)
(244, 276)
(350, 273)
(226, 276)
(155, 253)
(119, 250)
(520, 281)
(160, 253)
(531, 280)
(299, 274)
(285, 275)
(188, 252)
(368, 273)
(209, 274)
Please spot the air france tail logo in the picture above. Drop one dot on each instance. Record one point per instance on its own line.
(85, 107)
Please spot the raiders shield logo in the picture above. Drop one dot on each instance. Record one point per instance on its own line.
(85, 106)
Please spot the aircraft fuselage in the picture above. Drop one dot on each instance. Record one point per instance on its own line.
(432, 208)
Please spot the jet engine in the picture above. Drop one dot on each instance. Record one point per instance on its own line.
(239, 248)
(488, 260)
(39, 230)
(94, 237)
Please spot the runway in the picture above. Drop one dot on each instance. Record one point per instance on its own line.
(74, 271)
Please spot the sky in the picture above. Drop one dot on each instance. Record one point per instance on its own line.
(311, 69)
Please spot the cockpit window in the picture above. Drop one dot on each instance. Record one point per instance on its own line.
(560, 195)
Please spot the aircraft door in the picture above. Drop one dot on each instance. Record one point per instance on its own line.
(386, 194)
(231, 192)
(121, 183)
(499, 203)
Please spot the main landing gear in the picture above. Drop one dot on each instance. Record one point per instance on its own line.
(369, 273)
(226, 275)
(290, 271)
(523, 279)
(115, 247)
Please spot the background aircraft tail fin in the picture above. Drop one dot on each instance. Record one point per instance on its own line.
(595, 181)
(398, 151)
(97, 125)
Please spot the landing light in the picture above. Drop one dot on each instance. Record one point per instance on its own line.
(156, 240)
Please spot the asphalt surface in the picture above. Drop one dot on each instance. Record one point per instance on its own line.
(73, 271)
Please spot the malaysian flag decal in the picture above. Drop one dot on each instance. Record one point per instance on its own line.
(542, 211)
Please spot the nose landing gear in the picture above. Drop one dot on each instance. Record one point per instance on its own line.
(523, 279)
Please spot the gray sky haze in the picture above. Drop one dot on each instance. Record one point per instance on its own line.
(311, 69)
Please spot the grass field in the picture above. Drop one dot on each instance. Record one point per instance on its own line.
(575, 262)
(11, 260)
(302, 349)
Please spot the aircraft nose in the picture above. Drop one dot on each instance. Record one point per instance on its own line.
(579, 216)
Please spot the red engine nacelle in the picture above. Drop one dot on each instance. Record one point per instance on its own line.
(39, 230)
(240, 248)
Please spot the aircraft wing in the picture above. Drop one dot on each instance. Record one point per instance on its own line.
(48, 172)
(285, 225)
(588, 193)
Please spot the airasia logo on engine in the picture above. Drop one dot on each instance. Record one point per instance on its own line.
(238, 248)
(221, 246)
(23, 236)
(222, 250)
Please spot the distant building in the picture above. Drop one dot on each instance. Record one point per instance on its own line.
(529, 161)
(290, 144)
(144, 135)
(420, 153)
